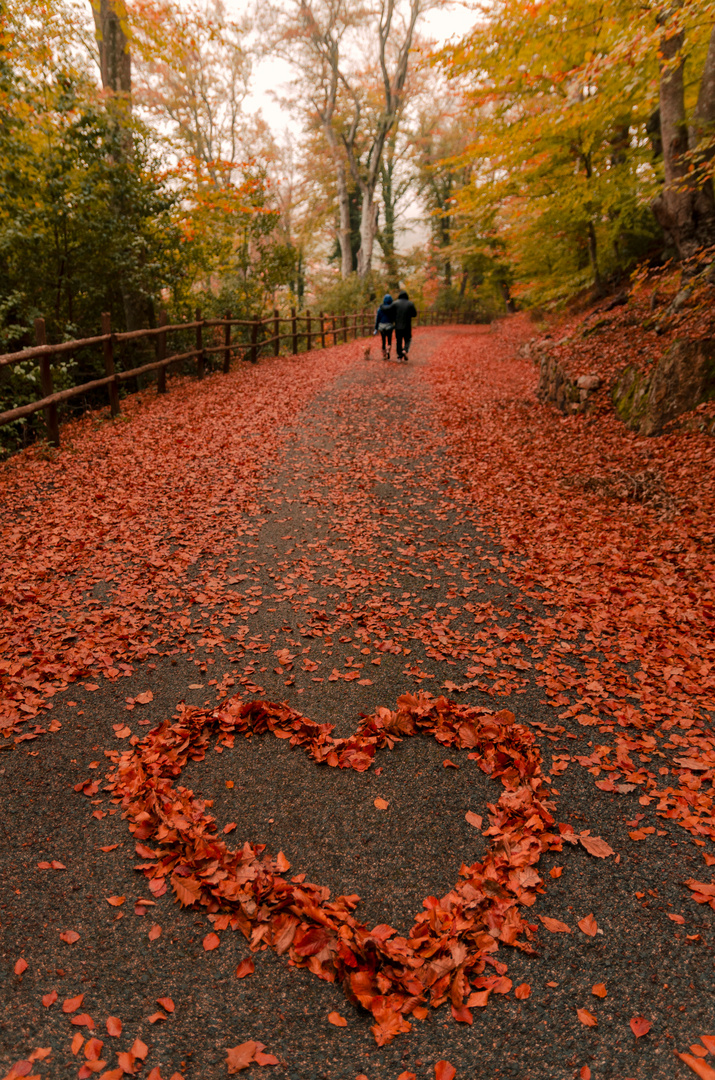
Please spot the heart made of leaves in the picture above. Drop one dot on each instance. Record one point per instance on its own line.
(449, 953)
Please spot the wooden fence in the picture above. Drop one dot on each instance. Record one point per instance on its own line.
(312, 330)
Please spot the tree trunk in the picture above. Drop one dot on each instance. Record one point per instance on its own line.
(685, 207)
(115, 61)
(344, 235)
(368, 228)
(115, 65)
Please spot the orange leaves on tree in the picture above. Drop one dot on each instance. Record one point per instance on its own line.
(587, 1018)
(246, 967)
(640, 1026)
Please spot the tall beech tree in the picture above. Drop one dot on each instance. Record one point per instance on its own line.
(686, 206)
(352, 60)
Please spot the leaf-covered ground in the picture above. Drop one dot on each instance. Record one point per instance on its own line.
(348, 536)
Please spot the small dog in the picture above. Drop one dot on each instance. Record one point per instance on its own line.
(367, 355)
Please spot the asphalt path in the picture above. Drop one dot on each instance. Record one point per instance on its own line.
(366, 559)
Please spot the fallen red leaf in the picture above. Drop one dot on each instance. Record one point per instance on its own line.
(246, 967)
(640, 1026)
(70, 936)
(211, 941)
(522, 992)
(599, 990)
(381, 804)
(72, 1004)
(20, 966)
(114, 1025)
(166, 1003)
(444, 1071)
(474, 819)
(336, 1019)
(587, 1018)
(50, 999)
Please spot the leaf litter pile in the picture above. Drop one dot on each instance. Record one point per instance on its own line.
(146, 539)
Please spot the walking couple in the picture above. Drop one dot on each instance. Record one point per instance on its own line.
(396, 315)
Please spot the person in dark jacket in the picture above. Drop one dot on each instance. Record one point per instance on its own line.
(403, 311)
(385, 324)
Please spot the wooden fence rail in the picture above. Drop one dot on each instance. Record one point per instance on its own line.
(327, 329)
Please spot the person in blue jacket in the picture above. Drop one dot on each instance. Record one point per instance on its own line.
(385, 324)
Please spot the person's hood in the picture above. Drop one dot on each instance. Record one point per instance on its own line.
(387, 299)
(403, 295)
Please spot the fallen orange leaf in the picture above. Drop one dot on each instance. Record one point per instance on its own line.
(703, 1070)
(587, 1018)
(380, 804)
(72, 1004)
(555, 926)
(211, 941)
(599, 989)
(114, 1025)
(337, 1019)
(640, 1026)
(588, 925)
(522, 991)
(246, 967)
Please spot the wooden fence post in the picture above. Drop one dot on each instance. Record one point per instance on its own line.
(227, 343)
(276, 332)
(322, 330)
(108, 349)
(345, 329)
(254, 342)
(161, 354)
(308, 340)
(200, 359)
(295, 331)
(53, 427)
